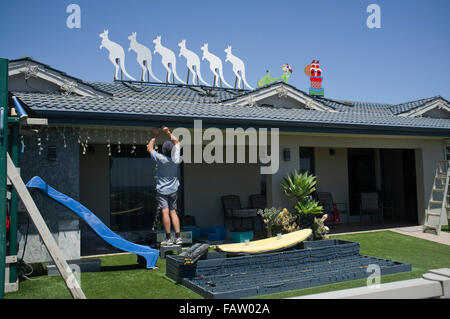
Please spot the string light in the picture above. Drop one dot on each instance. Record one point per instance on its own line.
(39, 144)
(118, 146)
(134, 142)
(23, 144)
(63, 134)
(109, 142)
(85, 145)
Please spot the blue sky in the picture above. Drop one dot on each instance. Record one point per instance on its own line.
(408, 58)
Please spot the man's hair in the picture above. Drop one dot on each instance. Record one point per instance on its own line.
(167, 148)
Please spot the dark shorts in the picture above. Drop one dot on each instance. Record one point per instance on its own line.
(167, 201)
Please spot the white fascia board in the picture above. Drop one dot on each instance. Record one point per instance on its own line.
(290, 92)
(55, 78)
(440, 103)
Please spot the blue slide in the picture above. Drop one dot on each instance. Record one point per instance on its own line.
(151, 255)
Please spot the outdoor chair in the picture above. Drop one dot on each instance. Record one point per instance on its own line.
(370, 204)
(258, 201)
(233, 210)
(331, 208)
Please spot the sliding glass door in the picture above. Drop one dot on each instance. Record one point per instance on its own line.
(132, 188)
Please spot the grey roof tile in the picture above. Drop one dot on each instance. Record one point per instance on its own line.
(408, 106)
(190, 110)
(163, 92)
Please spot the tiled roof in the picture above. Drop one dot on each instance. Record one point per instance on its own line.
(187, 111)
(195, 94)
(129, 100)
(77, 80)
(408, 106)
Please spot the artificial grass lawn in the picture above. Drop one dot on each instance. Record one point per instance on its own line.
(121, 277)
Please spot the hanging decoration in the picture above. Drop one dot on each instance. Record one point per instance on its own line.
(133, 148)
(267, 79)
(118, 146)
(22, 150)
(84, 136)
(315, 75)
(39, 144)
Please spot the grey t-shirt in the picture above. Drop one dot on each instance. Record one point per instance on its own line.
(168, 171)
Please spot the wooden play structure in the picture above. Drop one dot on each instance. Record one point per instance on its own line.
(12, 188)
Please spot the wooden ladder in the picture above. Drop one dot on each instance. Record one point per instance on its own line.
(438, 204)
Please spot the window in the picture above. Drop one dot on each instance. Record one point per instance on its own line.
(307, 160)
(132, 188)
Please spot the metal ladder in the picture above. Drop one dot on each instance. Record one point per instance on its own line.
(437, 208)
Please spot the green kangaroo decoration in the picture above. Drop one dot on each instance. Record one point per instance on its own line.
(267, 79)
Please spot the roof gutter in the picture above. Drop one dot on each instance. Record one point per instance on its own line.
(91, 118)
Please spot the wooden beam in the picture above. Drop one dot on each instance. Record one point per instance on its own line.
(34, 121)
(49, 242)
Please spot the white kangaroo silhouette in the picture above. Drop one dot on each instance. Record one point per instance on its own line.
(168, 57)
(115, 53)
(238, 65)
(192, 60)
(144, 57)
(214, 64)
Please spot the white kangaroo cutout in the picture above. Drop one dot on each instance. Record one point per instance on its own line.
(168, 57)
(214, 64)
(192, 60)
(115, 53)
(238, 65)
(144, 57)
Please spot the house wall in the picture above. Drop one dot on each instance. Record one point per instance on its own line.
(18, 83)
(437, 114)
(63, 175)
(85, 178)
(204, 184)
(280, 103)
(94, 182)
(332, 172)
(428, 152)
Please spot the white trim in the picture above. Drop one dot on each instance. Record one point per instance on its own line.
(439, 103)
(282, 91)
(434, 284)
(67, 84)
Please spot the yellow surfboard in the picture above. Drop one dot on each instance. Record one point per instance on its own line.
(268, 244)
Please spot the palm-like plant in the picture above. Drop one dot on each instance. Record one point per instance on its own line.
(309, 207)
(298, 186)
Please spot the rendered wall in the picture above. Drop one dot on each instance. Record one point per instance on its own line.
(428, 152)
(204, 184)
(63, 175)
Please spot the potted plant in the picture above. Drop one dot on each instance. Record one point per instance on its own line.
(278, 221)
(299, 187)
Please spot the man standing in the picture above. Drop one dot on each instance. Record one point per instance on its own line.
(168, 182)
